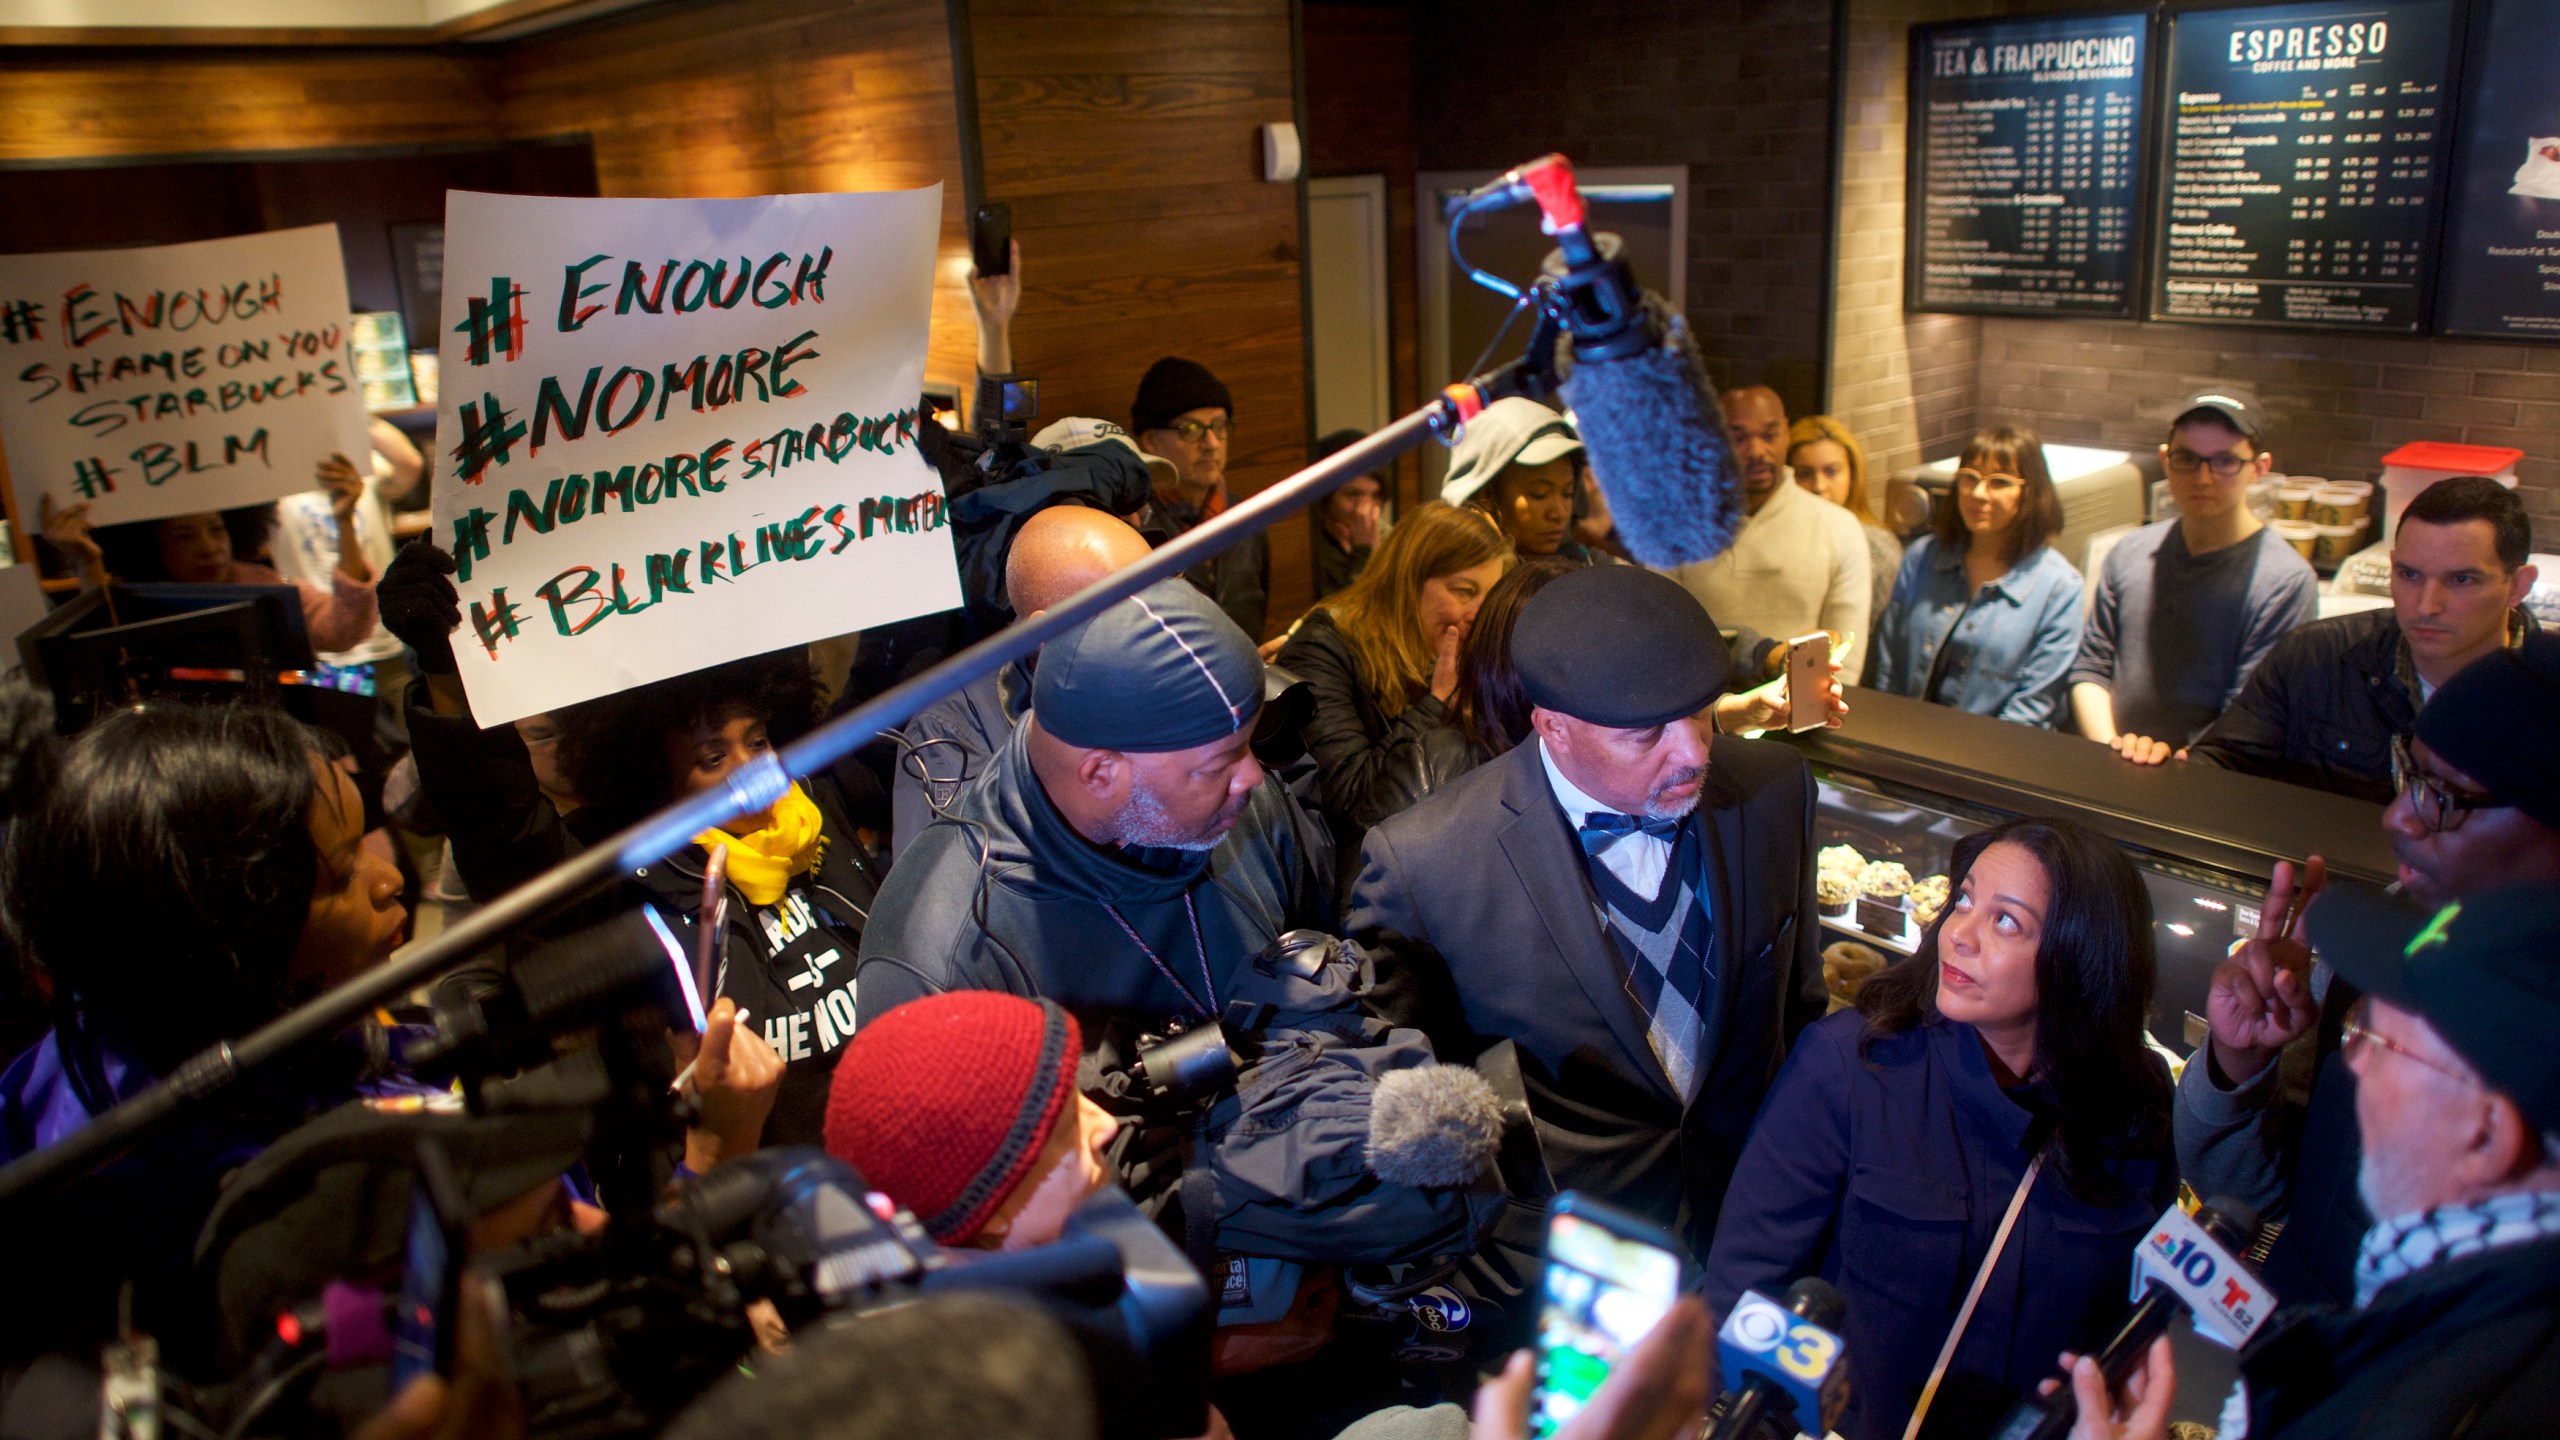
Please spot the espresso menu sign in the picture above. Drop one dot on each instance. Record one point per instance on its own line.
(2307, 149)
(2502, 240)
(2025, 165)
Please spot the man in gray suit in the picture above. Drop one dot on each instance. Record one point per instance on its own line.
(1639, 921)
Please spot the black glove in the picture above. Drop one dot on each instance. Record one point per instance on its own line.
(420, 605)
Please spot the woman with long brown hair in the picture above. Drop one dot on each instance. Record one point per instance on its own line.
(1986, 613)
(1383, 659)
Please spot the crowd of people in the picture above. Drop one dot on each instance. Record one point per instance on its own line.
(1511, 789)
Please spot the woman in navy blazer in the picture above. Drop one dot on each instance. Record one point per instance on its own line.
(1894, 1141)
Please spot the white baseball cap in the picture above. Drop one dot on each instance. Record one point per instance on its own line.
(1508, 432)
(1078, 431)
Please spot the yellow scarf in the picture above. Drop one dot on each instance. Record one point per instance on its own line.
(762, 862)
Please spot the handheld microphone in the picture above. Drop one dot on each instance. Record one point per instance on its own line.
(2187, 1265)
(1788, 1360)
(1652, 431)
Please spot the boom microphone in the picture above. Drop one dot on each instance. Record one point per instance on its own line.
(1651, 428)
(1789, 1360)
(2186, 1265)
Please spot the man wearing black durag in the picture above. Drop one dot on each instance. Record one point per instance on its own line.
(1637, 918)
(1122, 852)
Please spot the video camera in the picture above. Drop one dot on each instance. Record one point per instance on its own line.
(612, 1334)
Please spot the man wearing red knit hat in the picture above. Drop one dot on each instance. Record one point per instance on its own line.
(964, 1109)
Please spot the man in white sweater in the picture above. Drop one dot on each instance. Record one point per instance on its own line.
(1800, 562)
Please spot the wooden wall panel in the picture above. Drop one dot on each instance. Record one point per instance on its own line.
(764, 97)
(1125, 134)
(107, 104)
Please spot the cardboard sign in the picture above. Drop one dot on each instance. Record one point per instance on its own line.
(176, 379)
(676, 432)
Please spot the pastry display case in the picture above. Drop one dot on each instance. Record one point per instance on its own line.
(1902, 781)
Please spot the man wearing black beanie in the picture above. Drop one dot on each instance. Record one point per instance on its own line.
(1185, 414)
(1638, 921)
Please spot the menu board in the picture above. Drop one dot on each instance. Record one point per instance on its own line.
(2501, 273)
(2025, 165)
(2307, 149)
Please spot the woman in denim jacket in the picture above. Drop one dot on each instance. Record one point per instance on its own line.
(1985, 615)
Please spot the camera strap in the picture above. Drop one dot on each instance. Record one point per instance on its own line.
(1199, 1192)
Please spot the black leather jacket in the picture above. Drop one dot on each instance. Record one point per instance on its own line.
(2322, 708)
(1368, 766)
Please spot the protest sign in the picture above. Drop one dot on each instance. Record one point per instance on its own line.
(176, 379)
(676, 432)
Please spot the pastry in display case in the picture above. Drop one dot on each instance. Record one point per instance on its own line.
(2195, 915)
(1903, 780)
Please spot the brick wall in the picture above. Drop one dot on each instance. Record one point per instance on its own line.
(1912, 386)
(1734, 89)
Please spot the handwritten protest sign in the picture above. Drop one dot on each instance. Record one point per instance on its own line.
(677, 432)
(179, 378)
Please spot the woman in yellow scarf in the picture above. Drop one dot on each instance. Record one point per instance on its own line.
(800, 876)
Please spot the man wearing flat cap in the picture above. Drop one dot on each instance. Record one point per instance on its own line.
(1122, 851)
(1636, 915)
(2453, 1325)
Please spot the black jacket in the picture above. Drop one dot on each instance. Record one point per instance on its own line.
(2320, 710)
(1368, 766)
(2467, 1348)
(799, 995)
(1238, 577)
(1478, 901)
(1000, 893)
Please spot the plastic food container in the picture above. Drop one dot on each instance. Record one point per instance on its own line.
(2334, 543)
(2293, 498)
(2341, 502)
(2302, 535)
(2414, 467)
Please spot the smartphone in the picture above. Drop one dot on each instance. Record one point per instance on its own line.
(431, 1275)
(1610, 1278)
(1021, 400)
(991, 238)
(1808, 675)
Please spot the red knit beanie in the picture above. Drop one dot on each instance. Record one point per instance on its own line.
(944, 1103)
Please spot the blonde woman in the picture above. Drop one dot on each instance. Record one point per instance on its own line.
(1383, 659)
(1828, 461)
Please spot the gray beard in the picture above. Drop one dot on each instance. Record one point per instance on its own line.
(2385, 1188)
(1145, 823)
(1678, 809)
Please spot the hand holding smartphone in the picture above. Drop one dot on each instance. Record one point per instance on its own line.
(1809, 682)
(1610, 1278)
(431, 1275)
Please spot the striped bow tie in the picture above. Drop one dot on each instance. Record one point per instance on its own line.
(1604, 828)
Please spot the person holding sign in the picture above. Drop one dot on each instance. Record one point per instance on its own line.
(2011, 1045)
(203, 549)
(801, 879)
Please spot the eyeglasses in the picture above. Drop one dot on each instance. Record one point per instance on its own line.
(2437, 806)
(2187, 462)
(2358, 1034)
(1192, 430)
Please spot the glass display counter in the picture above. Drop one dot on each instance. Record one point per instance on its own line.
(1903, 781)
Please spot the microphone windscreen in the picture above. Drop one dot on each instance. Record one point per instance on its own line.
(1654, 437)
(1819, 1301)
(1434, 1127)
(2231, 1220)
